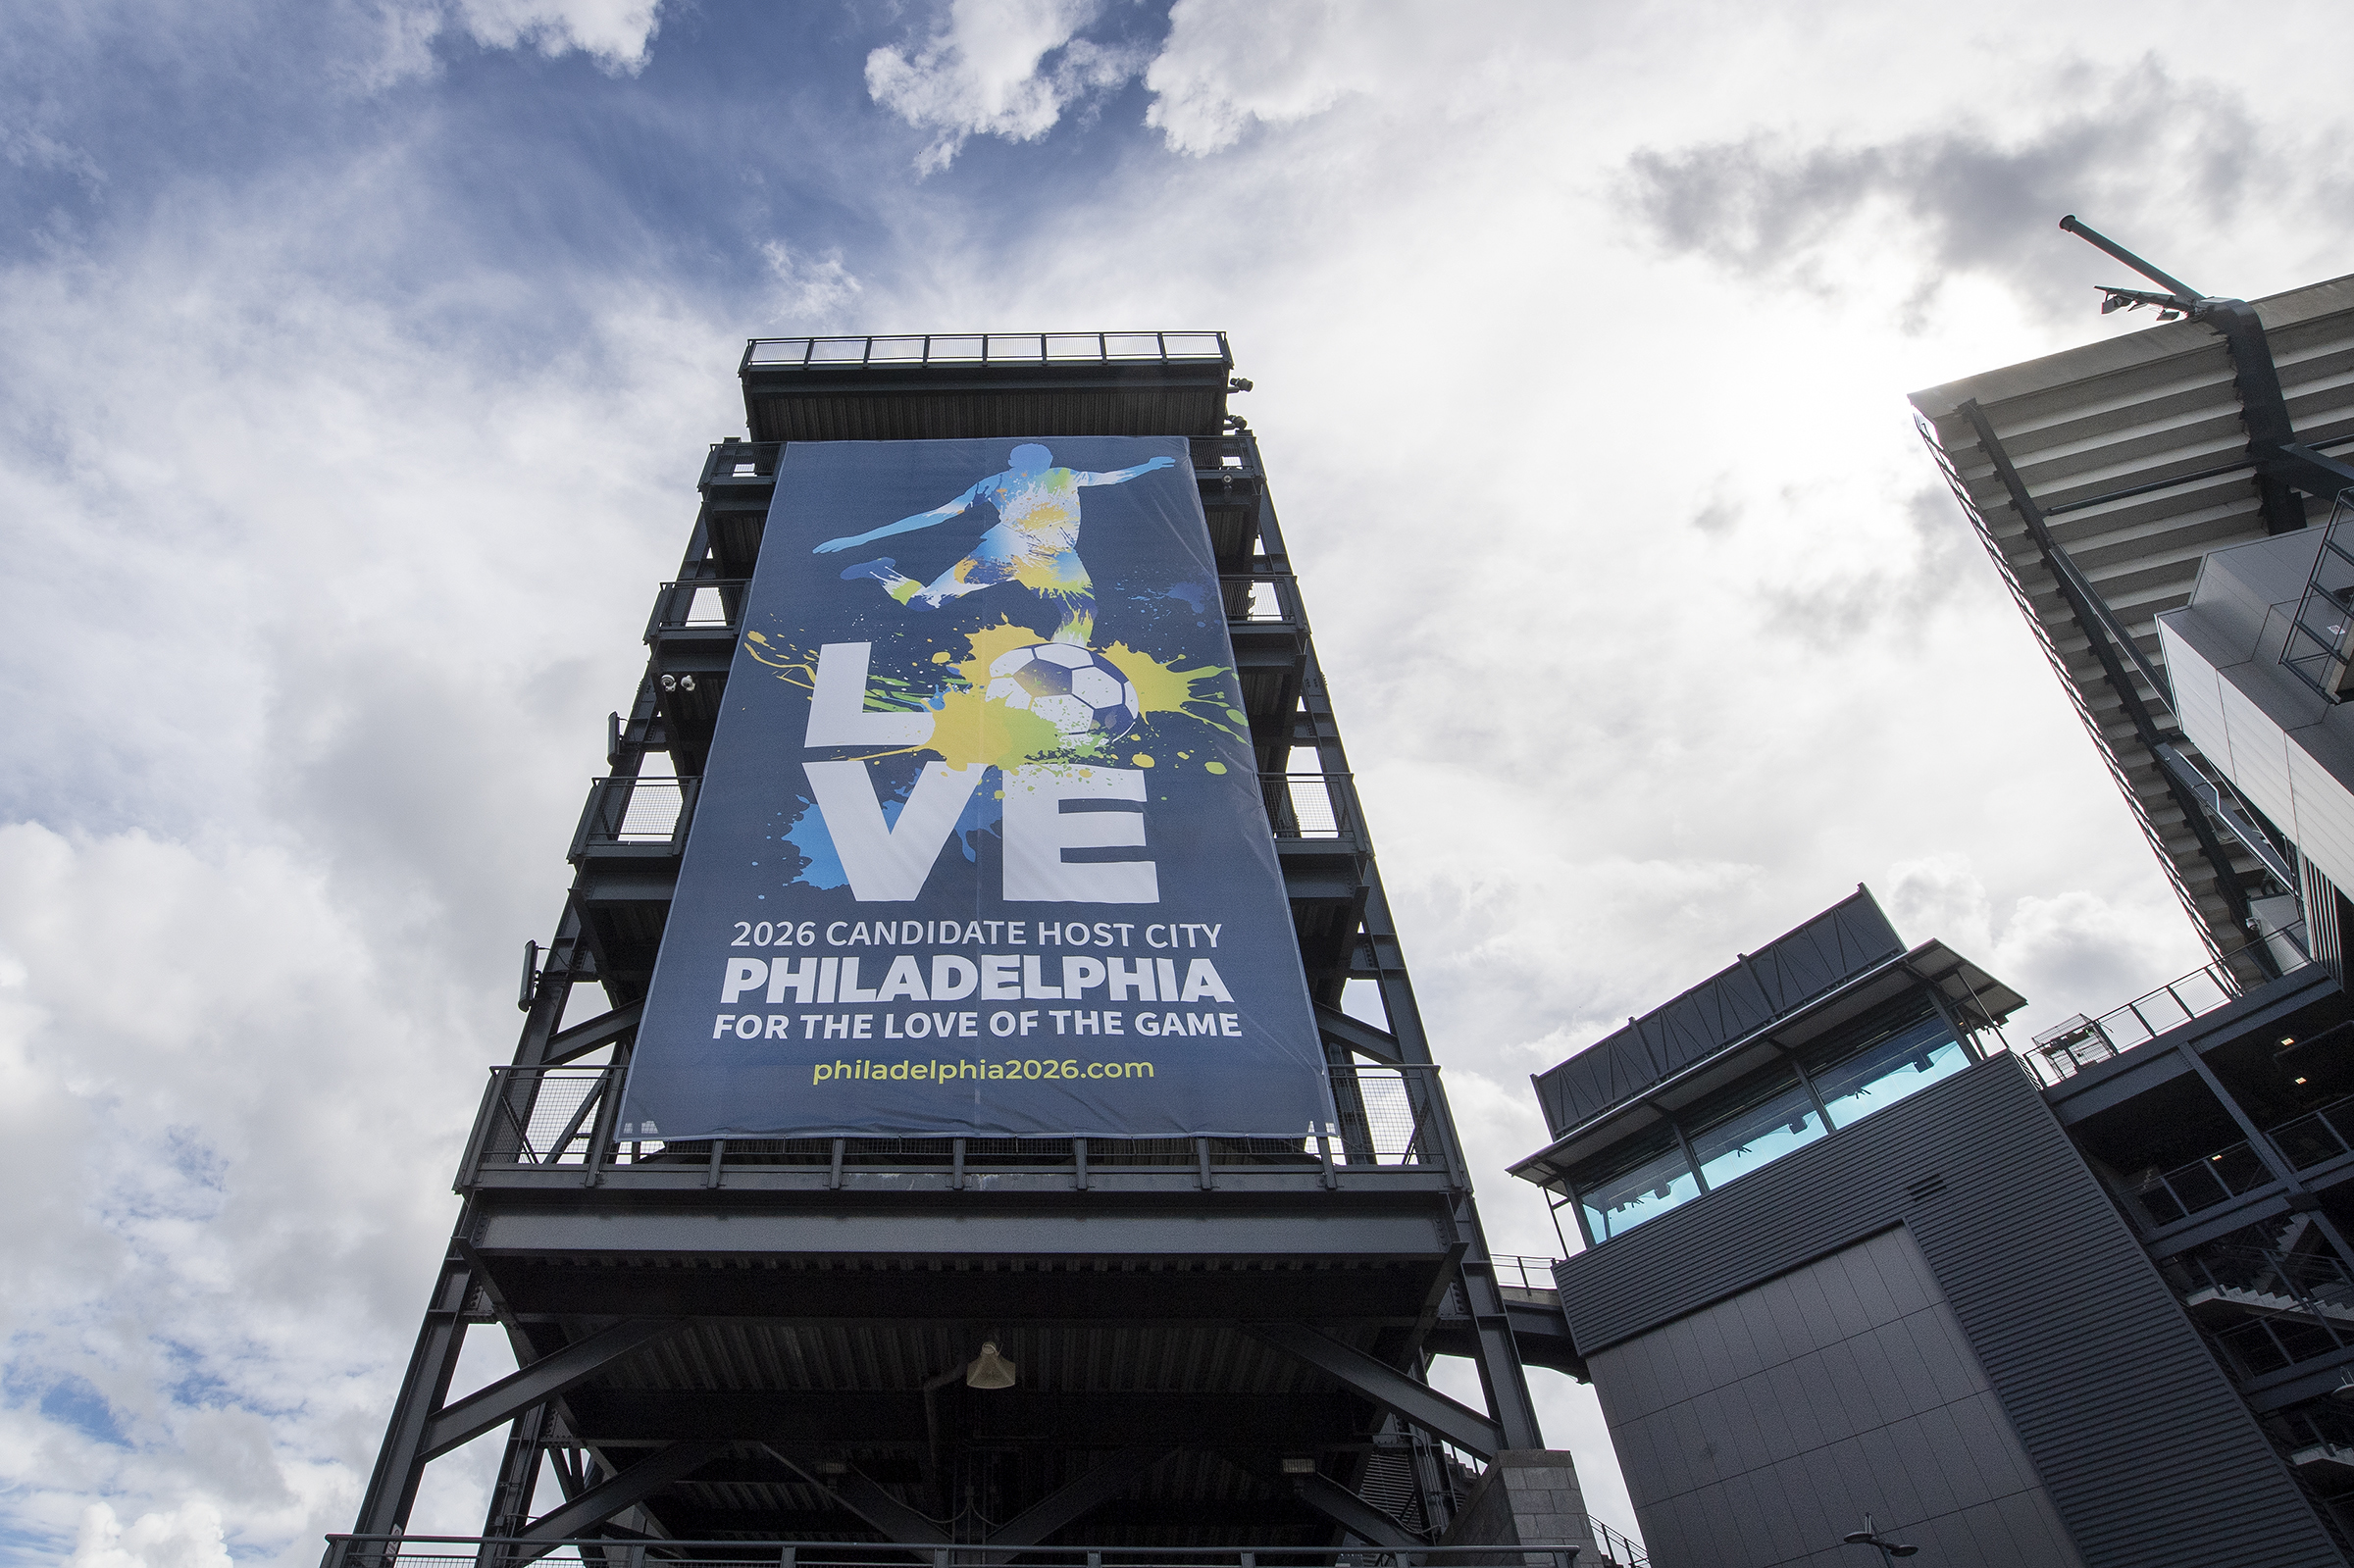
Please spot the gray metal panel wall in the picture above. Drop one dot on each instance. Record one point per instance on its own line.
(2143, 1444)
(1842, 1388)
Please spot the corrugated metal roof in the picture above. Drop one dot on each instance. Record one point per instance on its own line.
(2157, 413)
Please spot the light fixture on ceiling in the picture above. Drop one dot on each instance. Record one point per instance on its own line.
(989, 1369)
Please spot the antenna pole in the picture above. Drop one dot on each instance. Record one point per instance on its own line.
(2102, 242)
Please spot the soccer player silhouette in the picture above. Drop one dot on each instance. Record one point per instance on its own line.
(1035, 540)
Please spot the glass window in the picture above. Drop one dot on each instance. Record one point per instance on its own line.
(1639, 1179)
(1854, 1082)
(1753, 1126)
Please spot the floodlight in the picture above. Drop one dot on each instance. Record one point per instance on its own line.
(989, 1370)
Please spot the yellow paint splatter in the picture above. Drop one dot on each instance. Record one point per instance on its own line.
(1166, 688)
(986, 646)
(1214, 767)
(968, 729)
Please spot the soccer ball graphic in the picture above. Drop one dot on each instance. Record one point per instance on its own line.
(1076, 689)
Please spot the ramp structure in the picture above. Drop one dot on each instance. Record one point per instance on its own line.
(853, 1348)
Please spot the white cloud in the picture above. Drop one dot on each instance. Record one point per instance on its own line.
(618, 34)
(279, 841)
(188, 1537)
(1230, 62)
(985, 72)
(813, 294)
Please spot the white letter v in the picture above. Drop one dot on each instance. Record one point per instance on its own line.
(888, 863)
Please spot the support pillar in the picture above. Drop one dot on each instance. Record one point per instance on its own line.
(1526, 1497)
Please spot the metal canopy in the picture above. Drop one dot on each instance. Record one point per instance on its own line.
(1966, 993)
(2097, 479)
(1847, 939)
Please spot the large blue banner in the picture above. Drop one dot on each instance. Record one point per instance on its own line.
(980, 846)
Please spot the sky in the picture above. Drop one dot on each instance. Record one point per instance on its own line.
(359, 362)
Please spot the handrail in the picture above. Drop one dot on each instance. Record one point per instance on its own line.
(987, 348)
(1312, 805)
(2077, 1042)
(549, 1118)
(1616, 1548)
(2231, 1172)
(670, 615)
(632, 814)
(1273, 596)
(2321, 1134)
(1533, 1272)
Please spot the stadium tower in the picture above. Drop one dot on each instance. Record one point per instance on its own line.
(817, 1345)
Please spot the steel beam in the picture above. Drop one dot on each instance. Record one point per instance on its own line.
(1352, 1513)
(502, 1401)
(1263, 1229)
(510, 1511)
(1385, 1385)
(2310, 471)
(867, 1500)
(619, 1025)
(1389, 1297)
(603, 1501)
(1358, 1035)
(1098, 1486)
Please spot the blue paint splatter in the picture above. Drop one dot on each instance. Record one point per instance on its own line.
(981, 815)
(808, 834)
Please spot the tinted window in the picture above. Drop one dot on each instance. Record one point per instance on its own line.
(1637, 1181)
(1854, 1085)
(1754, 1128)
